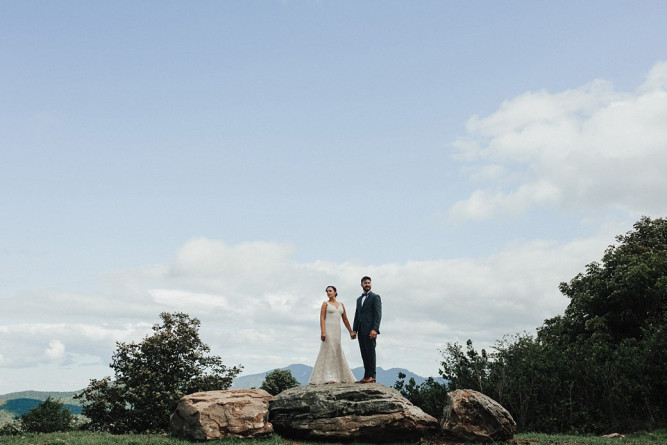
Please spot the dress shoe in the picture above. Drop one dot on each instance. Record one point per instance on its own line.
(367, 380)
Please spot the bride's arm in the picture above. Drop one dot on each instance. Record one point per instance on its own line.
(323, 316)
(346, 322)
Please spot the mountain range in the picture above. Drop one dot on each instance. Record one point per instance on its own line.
(302, 374)
(16, 404)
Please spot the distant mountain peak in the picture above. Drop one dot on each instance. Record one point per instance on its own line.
(302, 373)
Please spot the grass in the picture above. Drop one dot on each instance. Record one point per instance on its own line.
(641, 438)
(88, 438)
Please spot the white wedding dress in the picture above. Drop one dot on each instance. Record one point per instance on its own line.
(331, 365)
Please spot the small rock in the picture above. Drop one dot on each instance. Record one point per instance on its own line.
(614, 436)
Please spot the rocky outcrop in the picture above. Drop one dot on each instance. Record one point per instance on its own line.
(471, 416)
(221, 414)
(347, 411)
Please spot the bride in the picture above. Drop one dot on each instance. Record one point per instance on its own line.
(331, 366)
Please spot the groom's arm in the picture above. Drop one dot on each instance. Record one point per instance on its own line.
(377, 313)
(355, 323)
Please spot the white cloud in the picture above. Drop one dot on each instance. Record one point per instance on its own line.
(656, 79)
(55, 351)
(590, 149)
(176, 297)
(274, 321)
(24, 345)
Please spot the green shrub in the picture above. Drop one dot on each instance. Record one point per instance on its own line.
(48, 417)
(12, 428)
(278, 381)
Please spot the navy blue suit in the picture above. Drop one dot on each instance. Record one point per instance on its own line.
(366, 318)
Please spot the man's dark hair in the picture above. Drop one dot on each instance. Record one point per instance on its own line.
(366, 278)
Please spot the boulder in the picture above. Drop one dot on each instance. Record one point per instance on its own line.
(471, 416)
(349, 412)
(220, 414)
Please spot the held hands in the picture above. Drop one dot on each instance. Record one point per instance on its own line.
(323, 336)
(353, 335)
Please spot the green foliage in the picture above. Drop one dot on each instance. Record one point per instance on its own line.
(151, 377)
(599, 367)
(278, 381)
(613, 336)
(467, 369)
(430, 395)
(48, 417)
(11, 428)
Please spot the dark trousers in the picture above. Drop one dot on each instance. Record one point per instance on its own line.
(367, 348)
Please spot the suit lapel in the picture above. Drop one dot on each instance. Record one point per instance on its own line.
(368, 297)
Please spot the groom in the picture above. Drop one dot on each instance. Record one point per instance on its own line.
(367, 327)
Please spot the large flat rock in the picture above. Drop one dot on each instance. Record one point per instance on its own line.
(349, 411)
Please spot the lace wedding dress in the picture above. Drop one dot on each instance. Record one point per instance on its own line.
(331, 365)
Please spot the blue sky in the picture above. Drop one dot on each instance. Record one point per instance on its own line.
(232, 159)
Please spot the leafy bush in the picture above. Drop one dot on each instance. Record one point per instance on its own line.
(278, 381)
(430, 395)
(13, 428)
(151, 377)
(48, 417)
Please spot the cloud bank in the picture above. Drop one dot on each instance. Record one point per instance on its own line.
(588, 149)
(260, 308)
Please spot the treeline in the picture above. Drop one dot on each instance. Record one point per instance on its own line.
(599, 367)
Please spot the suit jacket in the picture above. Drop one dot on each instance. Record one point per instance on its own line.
(368, 316)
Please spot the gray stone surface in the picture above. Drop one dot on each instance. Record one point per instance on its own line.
(349, 411)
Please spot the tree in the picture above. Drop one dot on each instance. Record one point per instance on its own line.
(464, 370)
(523, 377)
(599, 367)
(151, 377)
(48, 417)
(613, 331)
(628, 291)
(278, 381)
(430, 395)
